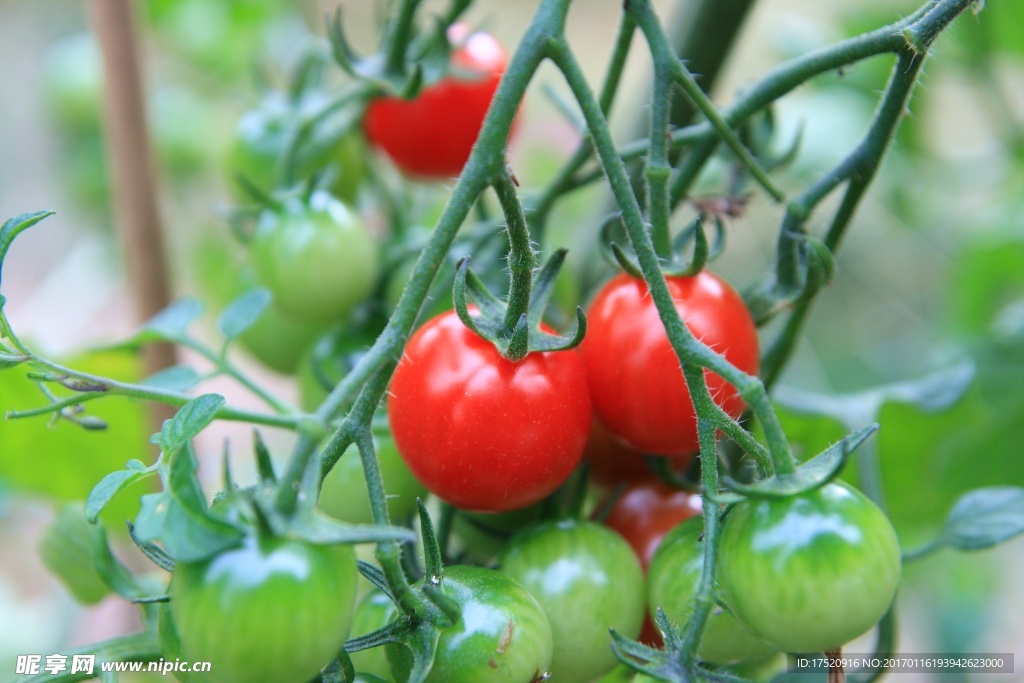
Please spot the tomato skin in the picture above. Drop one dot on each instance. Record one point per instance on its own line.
(431, 136)
(635, 381)
(344, 494)
(811, 572)
(673, 577)
(317, 259)
(613, 462)
(646, 511)
(503, 635)
(269, 611)
(482, 432)
(587, 580)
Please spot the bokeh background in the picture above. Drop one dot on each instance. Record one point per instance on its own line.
(930, 280)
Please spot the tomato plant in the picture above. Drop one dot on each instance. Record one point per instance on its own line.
(646, 511)
(431, 135)
(316, 258)
(587, 580)
(482, 432)
(270, 610)
(638, 392)
(502, 635)
(810, 572)
(672, 586)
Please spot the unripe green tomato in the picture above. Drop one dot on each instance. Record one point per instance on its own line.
(374, 611)
(672, 578)
(810, 572)
(344, 494)
(269, 611)
(317, 259)
(588, 580)
(263, 133)
(502, 636)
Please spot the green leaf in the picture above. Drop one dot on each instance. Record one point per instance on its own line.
(14, 227)
(170, 324)
(67, 551)
(243, 312)
(174, 378)
(190, 419)
(113, 573)
(813, 474)
(110, 486)
(179, 517)
(318, 528)
(985, 517)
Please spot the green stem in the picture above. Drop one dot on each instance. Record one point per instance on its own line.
(225, 367)
(704, 599)
(658, 170)
(522, 260)
(665, 57)
(399, 32)
(114, 388)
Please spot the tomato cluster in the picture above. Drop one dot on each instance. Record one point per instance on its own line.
(496, 442)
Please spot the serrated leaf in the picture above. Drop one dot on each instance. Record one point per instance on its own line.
(179, 518)
(13, 227)
(190, 419)
(171, 323)
(174, 378)
(243, 312)
(813, 474)
(319, 529)
(110, 486)
(985, 517)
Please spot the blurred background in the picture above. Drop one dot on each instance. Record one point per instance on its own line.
(931, 276)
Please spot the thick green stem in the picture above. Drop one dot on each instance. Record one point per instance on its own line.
(658, 169)
(522, 260)
(397, 39)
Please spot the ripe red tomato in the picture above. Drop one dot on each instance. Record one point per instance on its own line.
(482, 432)
(648, 510)
(635, 381)
(430, 137)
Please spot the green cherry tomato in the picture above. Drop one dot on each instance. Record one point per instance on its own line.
(588, 580)
(811, 572)
(502, 636)
(263, 133)
(673, 576)
(316, 258)
(344, 495)
(269, 611)
(373, 612)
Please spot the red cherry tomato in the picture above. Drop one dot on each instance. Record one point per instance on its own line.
(482, 432)
(648, 510)
(635, 382)
(430, 137)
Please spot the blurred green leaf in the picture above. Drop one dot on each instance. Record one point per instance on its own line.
(174, 378)
(985, 517)
(67, 550)
(243, 312)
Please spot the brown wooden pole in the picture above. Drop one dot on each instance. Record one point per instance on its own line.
(133, 175)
